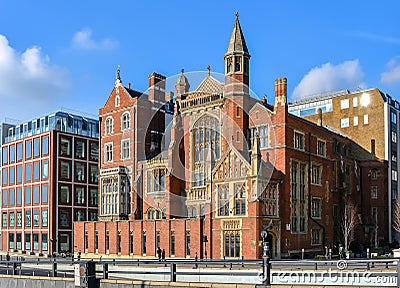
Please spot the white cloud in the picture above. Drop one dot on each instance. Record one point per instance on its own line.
(393, 74)
(83, 40)
(377, 37)
(329, 77)
(29, 83)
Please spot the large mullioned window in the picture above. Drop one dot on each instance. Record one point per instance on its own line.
(231, 244)
(206, 136)
(299, 197)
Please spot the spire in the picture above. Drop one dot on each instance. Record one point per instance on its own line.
(256, 145)
(256, 155)
(237, 42)
(118, 77)
(182, 85)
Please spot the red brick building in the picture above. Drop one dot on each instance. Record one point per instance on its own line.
(49, 179)
(229, 167)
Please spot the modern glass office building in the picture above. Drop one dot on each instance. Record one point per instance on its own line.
(49, 180)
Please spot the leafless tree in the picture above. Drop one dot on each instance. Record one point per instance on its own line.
(396, 215)
(349, 221)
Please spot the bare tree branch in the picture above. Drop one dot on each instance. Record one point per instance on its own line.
(396, 215)
(349, 221)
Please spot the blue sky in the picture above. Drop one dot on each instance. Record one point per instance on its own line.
(64, 54)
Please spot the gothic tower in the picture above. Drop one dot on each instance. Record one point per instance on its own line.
(236, 89)
(237, 55)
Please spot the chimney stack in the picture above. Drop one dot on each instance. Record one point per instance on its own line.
(129, 85)
(373, 147)
(319, 111)
(156, 88)
(281, 92)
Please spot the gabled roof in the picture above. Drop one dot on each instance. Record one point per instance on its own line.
(237, 42)
(134, 93)
(210, 85)
(233, 150)
(267, 107)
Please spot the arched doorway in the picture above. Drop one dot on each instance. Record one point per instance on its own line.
(274, 244)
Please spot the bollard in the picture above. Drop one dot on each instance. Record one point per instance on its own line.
(54, 269)
(230, 266)
(173, 272)
(105, 271)
(224, 262)
(267, 271)
(14, 270)
(91, 274)
(387, 265)
(242, 261)
(368, 266)
(316, 266)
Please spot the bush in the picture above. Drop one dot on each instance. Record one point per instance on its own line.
(319, 257)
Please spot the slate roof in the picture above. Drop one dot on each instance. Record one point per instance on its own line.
(134, 93)
(237, 42)
(210, 85)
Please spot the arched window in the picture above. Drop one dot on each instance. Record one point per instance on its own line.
(229, 65)
(125, 121)
(240, 199)
(238, 61)
(109, 125)
(206, 134)
(223, 199)
(117, 101)
(150, 214)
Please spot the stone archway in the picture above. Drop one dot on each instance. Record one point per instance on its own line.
(274, 244)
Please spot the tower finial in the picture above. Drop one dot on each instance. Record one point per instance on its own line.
(237, 15)
(209, 70)
(183, 70)
(118, 76)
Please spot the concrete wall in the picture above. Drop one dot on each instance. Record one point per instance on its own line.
(35, 282)
(155, 284)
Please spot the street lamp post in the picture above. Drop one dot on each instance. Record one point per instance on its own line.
(266, 258)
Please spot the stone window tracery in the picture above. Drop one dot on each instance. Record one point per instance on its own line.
(206, 134)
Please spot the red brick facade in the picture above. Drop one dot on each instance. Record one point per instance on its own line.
(233, 167)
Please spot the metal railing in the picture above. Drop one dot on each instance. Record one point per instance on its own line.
(262, 271)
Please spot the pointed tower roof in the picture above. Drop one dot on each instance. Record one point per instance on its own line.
(237, 42)
(182, 80)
